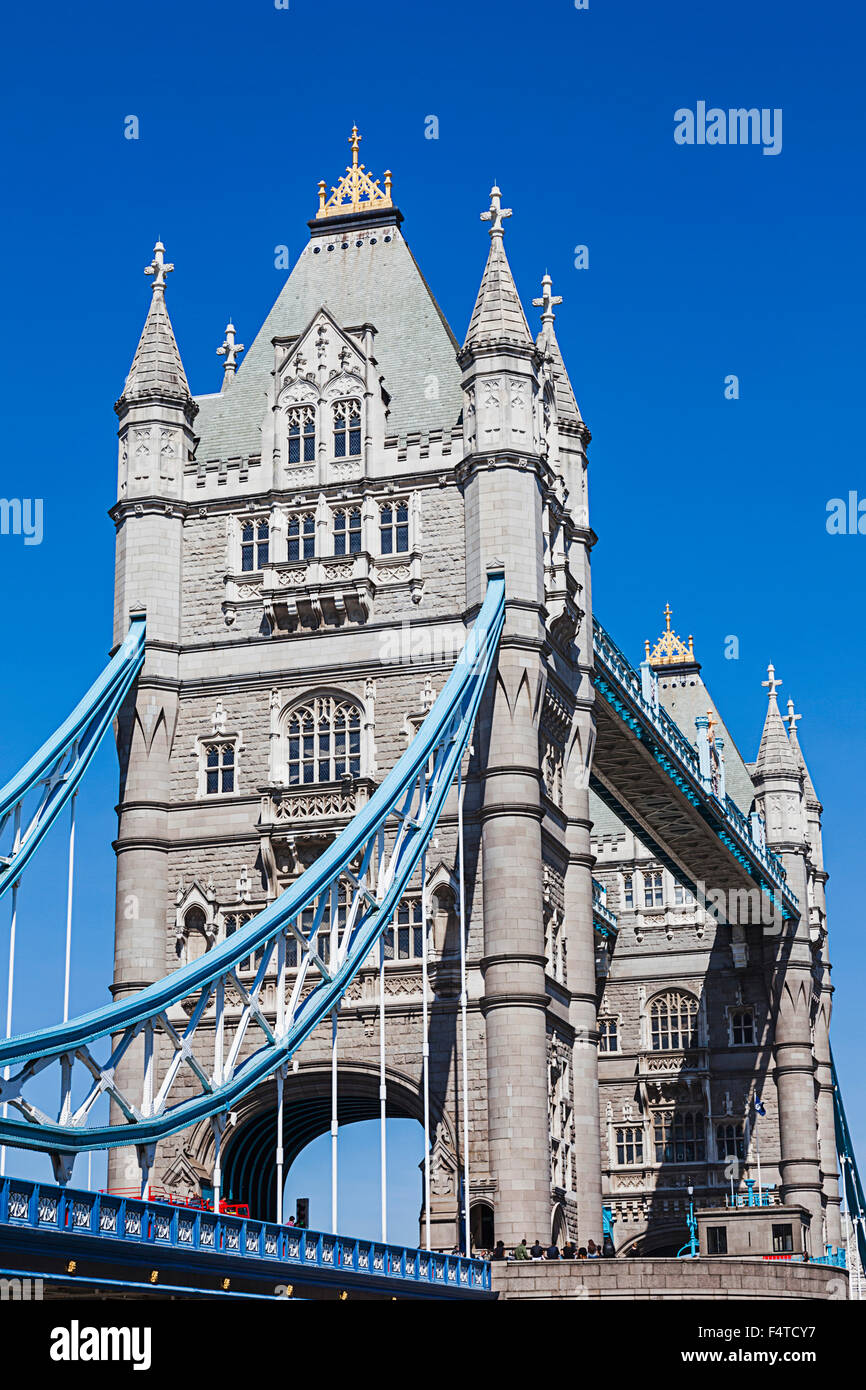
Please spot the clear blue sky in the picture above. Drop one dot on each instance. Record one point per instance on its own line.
(704, 262)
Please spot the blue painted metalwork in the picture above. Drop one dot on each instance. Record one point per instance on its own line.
(375, 857)
(603, 920)
(55, 771)
(621, 687)
(159, 1225)
(854, 1198)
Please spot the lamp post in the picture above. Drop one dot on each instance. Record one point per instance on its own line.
(693, 1225)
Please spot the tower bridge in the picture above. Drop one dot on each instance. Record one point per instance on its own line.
(455, 880)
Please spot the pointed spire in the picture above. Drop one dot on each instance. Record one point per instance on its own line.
(566, 401)
(792, 721)
(231, 351)
(498, 314)
(157, 369)
(775, 753)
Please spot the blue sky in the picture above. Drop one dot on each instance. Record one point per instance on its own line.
(703, 262)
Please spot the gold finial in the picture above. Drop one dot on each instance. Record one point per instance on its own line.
(670, 650)
(356, 191)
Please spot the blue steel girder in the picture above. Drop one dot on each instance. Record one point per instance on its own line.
(53, 773)
(351, 890)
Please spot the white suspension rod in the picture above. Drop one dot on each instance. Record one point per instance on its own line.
(69, 887)
(383, 1090)
(280, 1177)
(334, 1126)
(425, 1051)
(10, 983)
(467, 1250)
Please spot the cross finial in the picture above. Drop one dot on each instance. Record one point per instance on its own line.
(793, 719)
(772, 683)
(496, 212)
(158, 268)
(668, 615)
(547, 300)
(230, 350)
(355, 140)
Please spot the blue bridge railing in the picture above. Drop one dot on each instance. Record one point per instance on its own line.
(159, 1225)
(620, 685)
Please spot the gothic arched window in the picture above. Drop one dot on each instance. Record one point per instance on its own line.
(323, 741)
(743, 1028)
(653, 890)
(301, 421)
(673, 1022)
(302, 536)
(730, 1142)
(347, 429)
(680, 1136)
(347, 531)
(394, 527)
(255, 542)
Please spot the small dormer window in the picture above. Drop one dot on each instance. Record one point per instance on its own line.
(302, 536)
(347, 531)
(394, 527)
(347, 429)
(302, 434)
(255, 543)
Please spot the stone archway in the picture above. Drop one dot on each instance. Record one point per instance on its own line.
(248, 1155)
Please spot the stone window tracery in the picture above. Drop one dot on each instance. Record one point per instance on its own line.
(323, 741)
(347, 531)
(679, 1136)
(301, 424)
(674, 1023)
(394, 527)
(742, 1028)
(653, 889)
(730, 1141)
(608, 1035)
(301, 534)
(255, 543)
(347, 429)
(629, 1145)
(220, 767)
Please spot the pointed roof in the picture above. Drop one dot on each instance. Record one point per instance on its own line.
(498, 315)
(566, 401)
(792, 721)
(775, 753)
(157, 369)
(365, 277)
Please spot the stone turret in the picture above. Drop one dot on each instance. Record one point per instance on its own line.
(817, 878)
(156, 414)
(501, 475)
(788, 965)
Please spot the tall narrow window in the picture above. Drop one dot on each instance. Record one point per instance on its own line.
(347, 531)
(628, 891)
(730, 1141)
(404, 939)
(674, 1022)
(743, 1028)
(255, 541)
(347, 429)
(394, 527)
(219, 768)
(629, 1145)
(608, 1035)
(302, 536)
(323, 741)
(302, 434)
(653, 890)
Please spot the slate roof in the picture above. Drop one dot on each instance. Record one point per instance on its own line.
(156, 367)
(566, 401)
(775, 753)
(378, 282)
